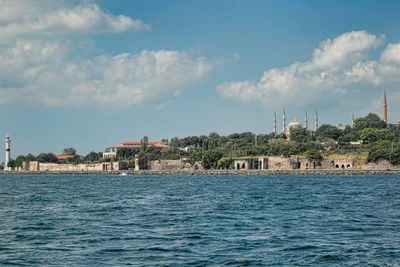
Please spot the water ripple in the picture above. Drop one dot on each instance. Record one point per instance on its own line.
(199, 220)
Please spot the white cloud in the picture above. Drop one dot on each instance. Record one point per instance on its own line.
(338, 67)
(45, 73)
(48, 18)
(41, 62)
(392, 54)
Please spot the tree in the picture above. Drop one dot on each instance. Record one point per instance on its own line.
(210, 159)
(301, 135)
(370, 135)
(19, 160)
(69, 151)
(370, 121)
(174, 142)
(328, 131)
(313, 154)
(144, 143)
(92, 156)
(11, 163)
(386, 150)
(47, 158)
(224, 163)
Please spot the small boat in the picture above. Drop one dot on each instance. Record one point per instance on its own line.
(123, 174)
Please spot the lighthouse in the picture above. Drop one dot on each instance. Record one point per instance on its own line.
(8, 141)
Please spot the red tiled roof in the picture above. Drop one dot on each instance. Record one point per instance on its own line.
(59, 156)
(64, 156)
(139, 144)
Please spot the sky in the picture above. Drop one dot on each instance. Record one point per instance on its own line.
(92, 74)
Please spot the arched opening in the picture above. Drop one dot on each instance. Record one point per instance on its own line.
(243, 165)
(260, 165)
(313, 165)
(342, 166)
(238, 166)
(306, 165)
(298, 165)
(337, 166)
(348, 166)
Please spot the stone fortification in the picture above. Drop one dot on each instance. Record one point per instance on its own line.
(332, 162)
(380, 165)
(171, 165)
(36, 166)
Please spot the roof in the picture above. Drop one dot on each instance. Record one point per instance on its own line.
(64, 156)
(59, 156)
(136, 144)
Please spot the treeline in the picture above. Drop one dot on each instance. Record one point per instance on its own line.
(52, 158)
(369, 135)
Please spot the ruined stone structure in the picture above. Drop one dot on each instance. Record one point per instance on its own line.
(54, 167)
(261, 163)
(172, 165)
(299, 163)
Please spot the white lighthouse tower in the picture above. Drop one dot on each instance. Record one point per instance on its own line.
(8, 141)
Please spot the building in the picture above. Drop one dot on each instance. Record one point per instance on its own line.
(8, 151)
(286, 129)
(111, 152)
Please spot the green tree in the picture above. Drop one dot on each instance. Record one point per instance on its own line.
(370, 135)
(210, 159)
(385, 150)
(174, 142)
(11, 163)
(19, 160)
(69, 151)
(327, 131)
(47, 158)
(370, 121)
(92, 157)
(224, 163)
(301, 135)
(313, 154)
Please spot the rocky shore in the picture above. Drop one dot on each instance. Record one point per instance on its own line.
(222, 172)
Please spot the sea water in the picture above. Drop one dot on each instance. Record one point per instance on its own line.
(104, 220)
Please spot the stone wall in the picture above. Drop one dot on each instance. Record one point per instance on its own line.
(380, 165)
(280, 163)
(333, 162)
(54, 167)
(170, 165)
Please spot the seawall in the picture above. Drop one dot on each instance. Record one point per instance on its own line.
(216, 172)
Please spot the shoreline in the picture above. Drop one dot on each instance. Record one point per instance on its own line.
(216, 172)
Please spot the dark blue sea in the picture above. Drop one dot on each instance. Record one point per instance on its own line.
(90, 220)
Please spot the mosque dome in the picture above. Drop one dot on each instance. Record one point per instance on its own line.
(293, 125)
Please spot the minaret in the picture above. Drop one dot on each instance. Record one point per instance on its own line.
(284, 121)
(352, 120)
(274, 122)
(306, 121)
(8, 140)
(316, 119)
(384, 107)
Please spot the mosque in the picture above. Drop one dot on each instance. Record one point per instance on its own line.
(294, 124)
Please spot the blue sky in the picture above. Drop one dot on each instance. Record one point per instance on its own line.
(92, 74)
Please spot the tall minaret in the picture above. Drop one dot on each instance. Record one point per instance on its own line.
(384, 107)
(8, 140)
(352, 120)
(316, 119)
(306, 121)
(274, 122)
(284, 121)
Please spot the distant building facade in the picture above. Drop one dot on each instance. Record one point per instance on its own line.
(111, 152)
